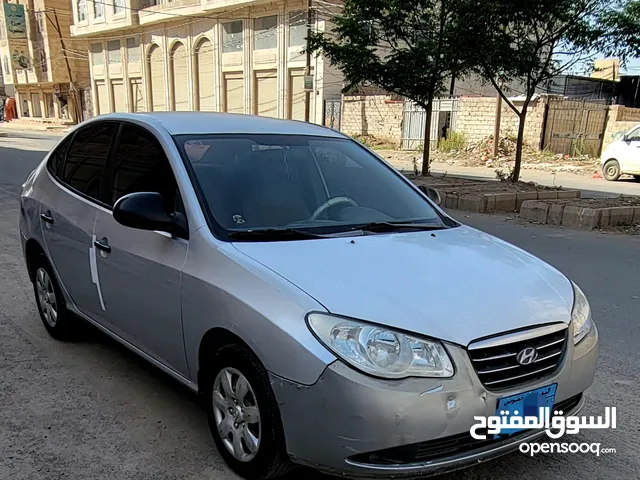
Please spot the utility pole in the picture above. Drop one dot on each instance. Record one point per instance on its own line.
(307, 71)
(73, 92)
(496, 128)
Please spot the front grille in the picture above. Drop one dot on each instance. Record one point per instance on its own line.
(446, 447)
(497, 366)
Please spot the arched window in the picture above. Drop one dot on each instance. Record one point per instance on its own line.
(204, 72)
(156, 79)
(179, 77)
(98, 8)
(82, 10)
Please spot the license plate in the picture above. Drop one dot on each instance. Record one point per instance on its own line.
(527, 404)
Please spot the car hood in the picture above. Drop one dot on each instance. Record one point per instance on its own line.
(457, 285)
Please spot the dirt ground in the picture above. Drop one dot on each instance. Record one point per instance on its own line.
(481, 155)
(456, 185)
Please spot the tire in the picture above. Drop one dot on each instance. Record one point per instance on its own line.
(50, 301)
(636, 178)
(611, 170)
(267, 460)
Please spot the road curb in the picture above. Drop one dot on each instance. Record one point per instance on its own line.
(500, 202)
(555, 213)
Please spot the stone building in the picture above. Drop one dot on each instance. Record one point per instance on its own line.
(45, 69)
(238, 56)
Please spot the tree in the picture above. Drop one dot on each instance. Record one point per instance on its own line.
(407, 47)
(529, 42)
(620, 31)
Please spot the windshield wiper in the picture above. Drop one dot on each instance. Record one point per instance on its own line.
(274, 234)
(391, 226)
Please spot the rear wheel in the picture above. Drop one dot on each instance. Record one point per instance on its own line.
(243, 414)
(636, 178)
(50, 301)
(611, 170)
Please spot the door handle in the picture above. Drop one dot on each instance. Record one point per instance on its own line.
(102, 245)
(46, 217)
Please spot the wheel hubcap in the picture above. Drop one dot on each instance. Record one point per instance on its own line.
(46, 297)
(611, 171)
(236, 413)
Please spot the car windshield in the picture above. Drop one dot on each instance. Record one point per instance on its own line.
(253, 183)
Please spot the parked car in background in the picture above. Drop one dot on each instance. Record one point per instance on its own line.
(622, 156)
(328, 312)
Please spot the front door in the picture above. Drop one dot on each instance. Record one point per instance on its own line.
(140, 271)
(69, 207)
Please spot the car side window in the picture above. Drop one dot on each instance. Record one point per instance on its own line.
(87, 158)
(140, 165)
(56, 159)
(634, 135)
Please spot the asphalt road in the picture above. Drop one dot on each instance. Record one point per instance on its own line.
(92, 410)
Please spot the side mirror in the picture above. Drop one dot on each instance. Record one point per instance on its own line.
(432, 193)
(145, 211)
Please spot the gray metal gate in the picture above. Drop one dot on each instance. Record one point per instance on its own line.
(444, 116)
(332, 113)
(574, 127)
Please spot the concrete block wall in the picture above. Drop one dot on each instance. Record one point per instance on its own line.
(476, 119)
(619, 120)
(376, 115)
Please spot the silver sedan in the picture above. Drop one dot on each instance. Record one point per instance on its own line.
(329, 313)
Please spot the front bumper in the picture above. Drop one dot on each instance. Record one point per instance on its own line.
(333, 424)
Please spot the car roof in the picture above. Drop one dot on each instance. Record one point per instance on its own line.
(185, 123)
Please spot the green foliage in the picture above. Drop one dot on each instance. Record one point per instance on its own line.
(619, 30)
(455, 141)
(408, 47)
(528, 43)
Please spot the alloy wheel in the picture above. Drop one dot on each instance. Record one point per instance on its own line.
(47, 297)
(237, 414)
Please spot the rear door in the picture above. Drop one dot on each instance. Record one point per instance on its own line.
(140, 271)
(69, 206)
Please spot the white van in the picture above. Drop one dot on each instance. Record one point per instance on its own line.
(622, 156)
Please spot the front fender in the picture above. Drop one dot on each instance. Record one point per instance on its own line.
(223, 288)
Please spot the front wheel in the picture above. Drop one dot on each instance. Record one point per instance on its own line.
(243, 414)
(611, 170)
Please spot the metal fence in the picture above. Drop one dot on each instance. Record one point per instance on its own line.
(332, 108)
(443, 118)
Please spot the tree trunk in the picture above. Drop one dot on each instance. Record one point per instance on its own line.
(515, 175)
(427, 137)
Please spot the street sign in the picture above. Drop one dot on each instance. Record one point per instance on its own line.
(308, 83)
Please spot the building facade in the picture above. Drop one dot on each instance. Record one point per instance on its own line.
(43, 68)
(237, 56)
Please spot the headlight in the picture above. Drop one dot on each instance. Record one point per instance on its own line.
(580, 315)
(381, 351)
